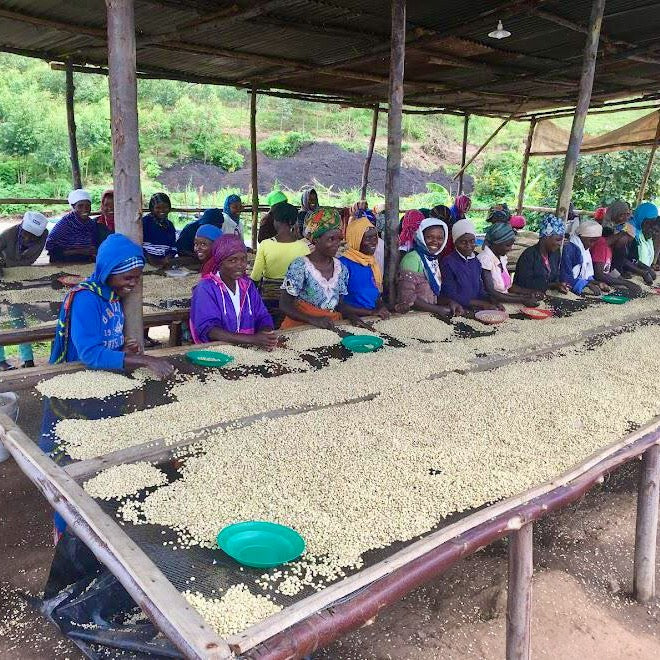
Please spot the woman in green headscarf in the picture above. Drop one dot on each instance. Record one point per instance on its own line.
(267, 223)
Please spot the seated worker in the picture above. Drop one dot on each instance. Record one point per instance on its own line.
(314, 285)
(498, 283)
(21, 245)
(641, 252)
(73, 238)
(90, 327)
(267, 224)
(309, 204)
(461, 270)
(538, 266)
(203, 245)
(443, 213)
(105, 222)
(499, 213)
(419, 281)
(617, 213)
(576, 268)
(158, 233)
(185, 244)
(365, 278)
(602, 255)
(274, 255)
(361, 210)
(226, 305)
(231, 213)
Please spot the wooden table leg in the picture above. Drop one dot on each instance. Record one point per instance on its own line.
(519, 598)
(176, 334)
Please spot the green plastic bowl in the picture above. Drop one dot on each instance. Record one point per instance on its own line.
(615, 299)
(261, 544)
(209, 358)
(362, 343)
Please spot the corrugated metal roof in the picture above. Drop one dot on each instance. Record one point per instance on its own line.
(341, 47)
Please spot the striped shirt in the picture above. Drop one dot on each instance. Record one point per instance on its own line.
(71, 232)
(158, 237)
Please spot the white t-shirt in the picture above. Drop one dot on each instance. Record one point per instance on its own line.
(236, 302)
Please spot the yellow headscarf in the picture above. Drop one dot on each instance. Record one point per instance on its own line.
(354, 234)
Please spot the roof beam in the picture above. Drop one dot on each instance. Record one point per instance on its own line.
(41, 21)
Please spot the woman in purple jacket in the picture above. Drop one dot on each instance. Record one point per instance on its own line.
(226, 305)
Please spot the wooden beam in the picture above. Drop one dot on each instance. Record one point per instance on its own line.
(393, 166)
(646, 530)
(466, 122)
(42, 21)
(649, 164)
(254, 175)
(519, 596)
(581, 108)
(370, 153)
(71, 127)
(525, 163)
(122, 84)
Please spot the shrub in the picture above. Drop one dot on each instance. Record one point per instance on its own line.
(284, 144)
(218, 150)
(151, 167)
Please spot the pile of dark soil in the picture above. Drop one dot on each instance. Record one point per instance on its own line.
(324, 162)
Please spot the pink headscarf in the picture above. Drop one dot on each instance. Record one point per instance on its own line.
(463, 203)
(223, 248)
(409, 226)
(517, 221)
(599, 214)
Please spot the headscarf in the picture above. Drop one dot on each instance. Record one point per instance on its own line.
(441, 212)
(208, 231)
(462, 227)
(460, 207)
(551, 225)
(355, 232)
(322, 221)
(365, 212)
(613, 210)
(627, 228)
(211, 216)
(409, 225)
(284, 212)
(231, 199)
(34, 223)
(518, 221)
(425, 212)
(499, 213)
(599, 214)
(78, 195)
(430, 259)
(117, 254)
(585, 269)
(107, 219)
(500, 232)
(223, 248)
(159, 198)
(275, 197)
(645, 211)
(589, 229)
(304, 200)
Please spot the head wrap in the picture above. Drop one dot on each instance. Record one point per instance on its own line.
(425, 212)
(223, 248)
(208, 231)
(211, 217)
(378, 208)
(499, 213)
(599, 214)
(355, 232)
(357, 212)
(34, 222)
(322, 221)
(284, 212)
(441, 212)
(500, 232)
(614, 210)
(275, 197)
(589, 229)
(645, 211)
(304, 200)
(462, 227)
(128, 264)
(409, 225)
(430, 259)
(463, 204)
(78, 195)
(551, 225)
(159, 198)
(229, 200)
(518, 221)
(627, 228)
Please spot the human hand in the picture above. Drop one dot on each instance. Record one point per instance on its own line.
(383, 312)
(323, 322)
(159, 367)
(266, 339)
(648, 277)
(131, 346)
(531, 302)
(455, 308)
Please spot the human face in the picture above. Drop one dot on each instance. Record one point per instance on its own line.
(161, 210)
(83, 208)
(649, 227)
(553, 243)
(232, 268)
(202, 248)
(108, 205)
(588, 241)
(313, 199)
(235, 208)
(369, 241)
(465, 245)
(622, 217)
(124, 283)
(501, 249)
(328, 243)
(28, 238)
(434, 237)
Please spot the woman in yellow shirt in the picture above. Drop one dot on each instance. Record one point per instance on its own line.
(274, 256)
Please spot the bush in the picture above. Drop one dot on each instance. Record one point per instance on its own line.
(499, 178)
(9, 172)
(151, 167)
(218, 150)
(283, 145)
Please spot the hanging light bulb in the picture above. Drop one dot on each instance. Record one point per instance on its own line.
(500, 33)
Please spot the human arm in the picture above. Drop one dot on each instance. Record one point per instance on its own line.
(259, 264)
(290, 309)
(264, 338)
(601, 276)
(499, 297)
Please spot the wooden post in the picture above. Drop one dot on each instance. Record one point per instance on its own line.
(581, 107)
(253, 166)
(370, 153)
(466, 121)
(649, 165)
(71, 125)
(519, 597)
(122, 82)
(647, 525)
(523, 174)
(393, 169)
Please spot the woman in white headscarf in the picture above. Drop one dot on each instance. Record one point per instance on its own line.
(576, 268)
(73, 239)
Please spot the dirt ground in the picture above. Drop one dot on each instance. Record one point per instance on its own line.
(582, 607)
(326, 163)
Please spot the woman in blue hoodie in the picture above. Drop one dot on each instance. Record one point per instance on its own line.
(90, 327)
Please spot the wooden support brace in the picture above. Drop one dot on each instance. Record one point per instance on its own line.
(71, 127)
(523, 174)
(466, 122)
(254, 175)
(519, 599)
(647, 525)
(370, 153)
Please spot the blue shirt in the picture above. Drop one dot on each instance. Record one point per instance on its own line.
(571, 257)
(461, 279)
(362, 289)
(158, 237)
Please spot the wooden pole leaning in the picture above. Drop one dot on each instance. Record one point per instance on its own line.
(254, 175)
(122, 82)
(649, 165)
(370, 153)
(581, 107)
(523, 175)
(519, 598)
(393, 168)
(646, 530)
(466, 122)
(71, 126)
